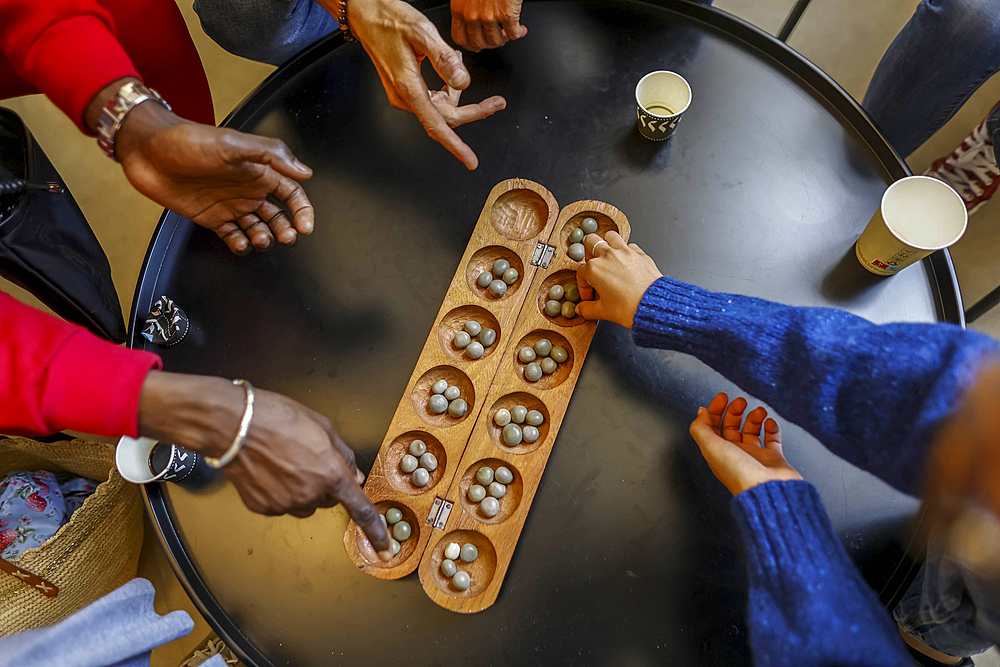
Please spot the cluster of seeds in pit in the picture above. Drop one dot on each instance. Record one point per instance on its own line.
(576, 250)
(418, 463)
(490, 487)
(562, 301)
(475, 338)
(498, 278)
(447, 398)
(519, 425)
(453, 555)
(542, 359)
(401, 530)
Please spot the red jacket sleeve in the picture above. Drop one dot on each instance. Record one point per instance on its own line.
(55, 376)
(65, 48)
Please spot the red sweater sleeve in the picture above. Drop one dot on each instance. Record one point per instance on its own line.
(65, 48)
(55, 376)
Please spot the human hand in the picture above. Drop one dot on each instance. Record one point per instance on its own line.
(619, 274)
(397, 38)
(736, 455)
(227, 181)
(291, 462)
(964, 462)
(485, 24)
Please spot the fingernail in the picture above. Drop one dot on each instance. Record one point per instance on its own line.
(361, 477)
(385, 556)
(305, 227)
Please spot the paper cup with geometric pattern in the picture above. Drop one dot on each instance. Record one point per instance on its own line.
(661, 98)
(133, 458)
(917, 216)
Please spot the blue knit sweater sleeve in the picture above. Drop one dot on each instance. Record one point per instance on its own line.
(808, 606)
(872, 394)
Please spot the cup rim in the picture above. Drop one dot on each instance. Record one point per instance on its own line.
(126, 442)
(881, 209)
(663, 71)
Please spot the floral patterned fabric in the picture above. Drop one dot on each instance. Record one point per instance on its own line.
(34, 505)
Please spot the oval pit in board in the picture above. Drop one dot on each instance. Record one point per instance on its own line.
(507, 402)
(400, 480)
(481, 570)
(482, 260)
(508, 504)
(519, 214)
(604, 225)
(455, 320)
(563, 277)
(422, 391)
(407, 548)
(561, 373)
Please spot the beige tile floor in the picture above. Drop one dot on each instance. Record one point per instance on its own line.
(844, 37)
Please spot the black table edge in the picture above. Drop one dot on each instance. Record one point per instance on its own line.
(942, 267)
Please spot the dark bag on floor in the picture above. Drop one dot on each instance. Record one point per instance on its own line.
(46, 245)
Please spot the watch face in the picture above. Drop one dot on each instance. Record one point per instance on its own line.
(114, 112)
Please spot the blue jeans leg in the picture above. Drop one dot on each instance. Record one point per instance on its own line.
(948, 607)
(269, 31)
(937, 61)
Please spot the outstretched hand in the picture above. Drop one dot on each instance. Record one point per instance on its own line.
(613, 279)
(292, 461)
(739, 457)
(398, 38)
(228, 181)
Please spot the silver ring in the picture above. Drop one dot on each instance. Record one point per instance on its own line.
(593, 251)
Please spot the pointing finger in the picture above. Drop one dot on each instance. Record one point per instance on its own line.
(460, 115)
(436, 126)
(361, 509)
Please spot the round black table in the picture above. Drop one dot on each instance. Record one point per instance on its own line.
(629, 555)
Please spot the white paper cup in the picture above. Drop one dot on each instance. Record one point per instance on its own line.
(661, 98)
(132, 461)
(917, 216)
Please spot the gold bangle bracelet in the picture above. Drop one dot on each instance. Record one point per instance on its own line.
(241, 435)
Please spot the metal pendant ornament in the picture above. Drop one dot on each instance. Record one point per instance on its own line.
(166, 324)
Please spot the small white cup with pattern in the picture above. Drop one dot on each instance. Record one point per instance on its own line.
(661, 98)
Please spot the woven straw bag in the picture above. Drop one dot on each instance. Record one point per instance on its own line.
(93, 554)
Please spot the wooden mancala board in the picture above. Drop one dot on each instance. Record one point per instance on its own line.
(519, 218)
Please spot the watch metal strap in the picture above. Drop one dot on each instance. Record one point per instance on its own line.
(128, 97)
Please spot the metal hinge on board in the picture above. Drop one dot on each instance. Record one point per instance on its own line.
(440, 511)
(542, 255)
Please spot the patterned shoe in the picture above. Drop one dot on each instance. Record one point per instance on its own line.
(971, 169)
